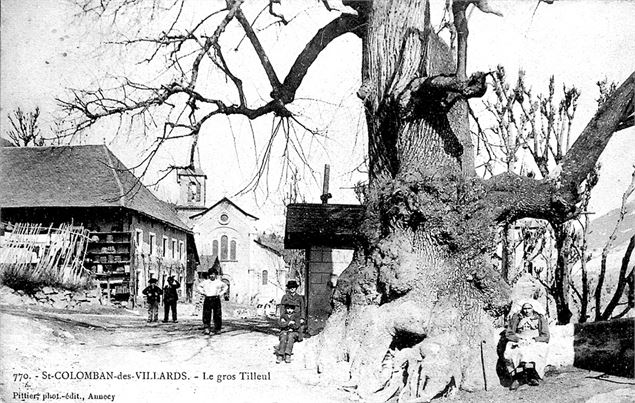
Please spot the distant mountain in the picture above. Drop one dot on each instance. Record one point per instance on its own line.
(601, 228)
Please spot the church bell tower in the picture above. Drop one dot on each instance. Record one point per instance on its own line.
(192, 189)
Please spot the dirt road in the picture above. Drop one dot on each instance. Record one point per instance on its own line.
(52, 355)
(47, 352)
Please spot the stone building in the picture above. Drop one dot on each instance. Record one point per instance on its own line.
(133, 234)
(254, 271)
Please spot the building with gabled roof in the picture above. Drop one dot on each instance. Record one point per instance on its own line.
(134, 234)
(255, 272)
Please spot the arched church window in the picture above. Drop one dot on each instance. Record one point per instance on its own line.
(232, 250)
(215, 248)
(265, 277)
(223, 247)
(192, 192)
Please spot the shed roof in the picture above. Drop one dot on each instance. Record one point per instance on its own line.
(76, 176)
(330, 225)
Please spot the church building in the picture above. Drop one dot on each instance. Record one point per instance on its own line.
(254, 271)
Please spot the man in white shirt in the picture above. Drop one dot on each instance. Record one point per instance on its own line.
(213, 289)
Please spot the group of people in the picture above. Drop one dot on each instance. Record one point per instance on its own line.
(292, 322)
(292, 319)
(170, 296)
(527, 333)
(212, 288)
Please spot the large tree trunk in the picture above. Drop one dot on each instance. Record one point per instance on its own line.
(410, 309)
(413, 311)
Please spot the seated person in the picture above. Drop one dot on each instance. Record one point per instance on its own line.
(289, 331)
(526, 351)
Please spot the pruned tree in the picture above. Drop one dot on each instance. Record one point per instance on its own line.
(537, 128)
(625, 278)
(421, 290)
(24, 130)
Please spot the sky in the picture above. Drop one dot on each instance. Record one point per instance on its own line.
(45, 50)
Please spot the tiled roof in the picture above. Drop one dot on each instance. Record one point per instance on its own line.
(270, 248)
(330, 225)
(76, 176)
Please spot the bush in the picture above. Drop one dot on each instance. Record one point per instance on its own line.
(16, 277)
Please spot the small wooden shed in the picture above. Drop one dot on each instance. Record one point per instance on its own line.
(327, 233)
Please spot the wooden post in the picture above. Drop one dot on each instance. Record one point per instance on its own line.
(307, 284)
(132, 285)
(325, 185)
(108, 286)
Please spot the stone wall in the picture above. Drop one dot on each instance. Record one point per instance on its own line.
(606, 346)
(53, 298)
(325, 266)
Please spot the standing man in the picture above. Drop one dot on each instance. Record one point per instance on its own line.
(170, 297)
(212, 288)
(153, 294)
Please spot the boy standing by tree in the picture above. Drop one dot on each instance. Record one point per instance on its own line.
(153, 294)
(289, 322)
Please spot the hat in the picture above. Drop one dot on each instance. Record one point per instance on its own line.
(292, 284)
(152, 280)
(537, 306)
(212, 271)
(170, 278)
(290, 303)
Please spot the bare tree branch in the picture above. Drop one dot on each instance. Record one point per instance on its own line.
(621, 281)
(556, 199)
(343, 24)
(24, 129)
(587, 149)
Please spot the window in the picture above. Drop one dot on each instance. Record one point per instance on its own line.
(173, 248)
(224, 219)
(223, 247)
(152, 243)
(265, 279)
(215, 248)
(181, 247)
(164, 245)
(232, 250)
(194, 191)
(191, 191)
(138, 238)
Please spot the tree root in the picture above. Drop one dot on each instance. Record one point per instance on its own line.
(406, 351)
